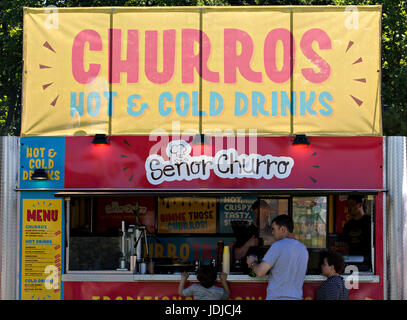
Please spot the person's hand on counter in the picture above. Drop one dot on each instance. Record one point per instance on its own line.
(184, 277)
(222, 277)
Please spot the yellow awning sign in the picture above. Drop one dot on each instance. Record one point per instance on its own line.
(137, 71)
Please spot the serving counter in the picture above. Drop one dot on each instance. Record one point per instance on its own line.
(110, 285)
(111, 276)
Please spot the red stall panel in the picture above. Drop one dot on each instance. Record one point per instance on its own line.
(327, 163)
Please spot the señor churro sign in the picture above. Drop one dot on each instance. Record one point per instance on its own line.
(124, 71)
(225, 164)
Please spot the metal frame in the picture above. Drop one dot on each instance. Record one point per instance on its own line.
(384, 218)
(9, 217)
(67, 202)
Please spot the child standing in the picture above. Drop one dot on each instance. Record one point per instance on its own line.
(333, 288)
(205, 290)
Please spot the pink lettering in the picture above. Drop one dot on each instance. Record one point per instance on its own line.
(190, 61)
(78, 68)
(151, 68)
(242, 61)
(131, 64)
(270, 59)
(324, 42)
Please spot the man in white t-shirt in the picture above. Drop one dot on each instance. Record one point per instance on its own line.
(287, 258)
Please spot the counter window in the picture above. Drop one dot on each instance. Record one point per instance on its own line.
(188, 230)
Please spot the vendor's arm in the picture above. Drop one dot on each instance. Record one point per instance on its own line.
(260, 269)
(184, 277)
(240, 252)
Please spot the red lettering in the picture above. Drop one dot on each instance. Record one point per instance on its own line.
(151, 67)
(196, 247)
(131, 64)
(190, 61)
(324, 42)
(232, 61)
(30, 215)
(46, 215)
(54, 215)
(270, 58)
(39, 217)
(206, 252)
(78, 68)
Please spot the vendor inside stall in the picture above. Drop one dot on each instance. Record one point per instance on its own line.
(178, 233)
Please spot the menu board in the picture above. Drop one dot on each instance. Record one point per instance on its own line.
(235, 209)
(186, 215)
(111, 211)
(41, 249)
(309, 215)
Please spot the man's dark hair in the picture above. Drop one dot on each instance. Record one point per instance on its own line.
(206, 275)
(358, 199)
(259, 203)
(334, 258)
(284, 220)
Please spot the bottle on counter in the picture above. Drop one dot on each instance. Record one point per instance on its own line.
(143, 267)
(226, 260)
(219, 255)
(251, 272)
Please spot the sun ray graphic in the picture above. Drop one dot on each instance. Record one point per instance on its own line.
(358, 101)
(43, 66)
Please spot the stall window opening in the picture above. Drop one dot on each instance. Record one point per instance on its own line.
(187, 229)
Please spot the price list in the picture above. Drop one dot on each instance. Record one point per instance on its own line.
(41, 249)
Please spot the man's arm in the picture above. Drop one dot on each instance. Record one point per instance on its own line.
(242, 251)
(260, 269)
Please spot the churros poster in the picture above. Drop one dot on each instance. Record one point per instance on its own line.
(133, 71)
(187, 215)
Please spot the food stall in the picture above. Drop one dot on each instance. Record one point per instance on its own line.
(117, 196)
(183, 221)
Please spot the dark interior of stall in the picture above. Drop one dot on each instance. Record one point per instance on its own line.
(184, 231)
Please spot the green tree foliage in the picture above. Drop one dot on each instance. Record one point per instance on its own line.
(394, 51)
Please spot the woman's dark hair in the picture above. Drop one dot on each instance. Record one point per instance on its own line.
(206, 275)
(334, 258)
(284, 220)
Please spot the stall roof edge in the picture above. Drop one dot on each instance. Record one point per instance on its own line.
(184, 192)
